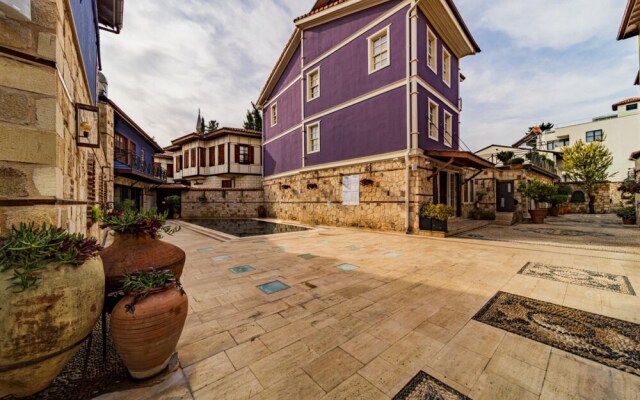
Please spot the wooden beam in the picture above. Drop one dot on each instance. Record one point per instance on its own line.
(472, 176)
(437, 171)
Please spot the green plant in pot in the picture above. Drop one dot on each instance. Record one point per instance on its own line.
(564, 190)
(50, 299)
(147, 322)
(556, 201)
(174, 203)
(516, 162)
(504, 157)
(539, 192)
(137, 245)
(434, 216)
(628, 215)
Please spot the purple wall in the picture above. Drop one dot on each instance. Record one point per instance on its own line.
(424, 142)
(291, 72)
(319, 39)
(289, 112)
(375, 126)
(284, 154)
(435, 80)
(345, 73)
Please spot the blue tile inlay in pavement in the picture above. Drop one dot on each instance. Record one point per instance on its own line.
(241, 269)
(205, 250)
(221, 258)
(307, 256)
(347, 267)
(391, 254)
(272, 287)
(280, 248)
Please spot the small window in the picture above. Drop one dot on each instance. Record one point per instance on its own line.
(433, 121)
(227, 184)
(274, 114)
(313, 138)
(448, 129)
(446, 67)
(243, 154)
(432, 50)
(379, 53)
(313, 84)
(632, 107)
(593, 136)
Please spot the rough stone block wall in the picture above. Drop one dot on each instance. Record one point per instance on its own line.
(608, 198)
(240, 181)
(315, 197)
(43, 174)
(222, 203)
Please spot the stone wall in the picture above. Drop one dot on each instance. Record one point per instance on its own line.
(608, 198)
(239, 181)
(44, 176)
(222, 203)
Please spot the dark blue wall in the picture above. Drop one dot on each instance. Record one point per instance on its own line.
(123, 128)
(86, 19)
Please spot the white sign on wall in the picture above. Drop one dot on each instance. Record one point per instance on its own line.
(351, 190)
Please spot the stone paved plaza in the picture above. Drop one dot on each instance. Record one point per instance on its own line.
(397, 305)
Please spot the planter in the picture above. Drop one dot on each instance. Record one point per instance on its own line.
(43, 327)
(565, 209)
(627, 221)
(554, 211)
(432, 224)
(516, 166)
(538, 216)
(147, 338)
(130, 253)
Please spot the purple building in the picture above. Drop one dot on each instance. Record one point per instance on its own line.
(367, 89)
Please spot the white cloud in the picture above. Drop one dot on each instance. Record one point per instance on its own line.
(175, 57)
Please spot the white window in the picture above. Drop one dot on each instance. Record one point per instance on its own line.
(379, 51)
(446, 67)
(274, 114)
(313, 138)
(448, 129)
(432, 50)
(433, 121)
(313, 84)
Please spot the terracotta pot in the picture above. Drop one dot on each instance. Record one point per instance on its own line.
(554, 211)
(538, 216)
(130, 253)
(147, 338)
(516, 166)
(42, 328)
(626, 221)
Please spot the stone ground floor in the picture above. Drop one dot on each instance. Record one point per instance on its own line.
(364, 312)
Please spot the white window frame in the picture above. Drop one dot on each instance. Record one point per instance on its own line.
(308, 128)
(448, 129)
(384, 31)
(430, 124)
(274, 114)
(433, 67)
(309, 74)
(446, 66)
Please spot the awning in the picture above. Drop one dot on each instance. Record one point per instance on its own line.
(171, 186)
(110, 14)
(460, 158)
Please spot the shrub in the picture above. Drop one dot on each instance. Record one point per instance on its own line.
(627, 213)
(505, 156)
(559, 199)
(629, 186)
(516, 160)
(484, 215)
(148, 222)
(538, 191)
(564, 189)
(437, 211)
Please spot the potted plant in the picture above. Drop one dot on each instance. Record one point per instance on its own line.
(174, 203)
(147, 322)
(556, 200)
(434, 217)
(539, 192)
(136, 245)
(564, 207)
(50, 299)
(481, 194)
(504, 157)
(516, 162)
(628, 215)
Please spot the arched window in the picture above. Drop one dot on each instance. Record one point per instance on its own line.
(577, 197)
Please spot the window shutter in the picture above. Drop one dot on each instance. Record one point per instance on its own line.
(237, 155)
(186, 159)
(193, 158)
(203, 156)
(252, 155)
(91, 178)
(170, 170)
(212, 156)
(221, 154)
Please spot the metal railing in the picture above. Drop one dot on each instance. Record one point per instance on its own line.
(137, 163)
(530, 157)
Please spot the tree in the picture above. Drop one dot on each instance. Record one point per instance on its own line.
(213, 126)
(588, 165)
(254, 119)
(202, 127)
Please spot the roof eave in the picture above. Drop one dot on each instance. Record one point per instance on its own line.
(623, 32)
(283, 61)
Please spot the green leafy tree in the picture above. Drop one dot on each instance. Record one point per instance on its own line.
(202, 126)
(588, 165)
(254, 119)
(213, 126)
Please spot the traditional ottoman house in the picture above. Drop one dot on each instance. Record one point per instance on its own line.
(217, 173)
(54, 164)
(361, 114)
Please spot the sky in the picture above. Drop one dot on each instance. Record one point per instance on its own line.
(543, 60)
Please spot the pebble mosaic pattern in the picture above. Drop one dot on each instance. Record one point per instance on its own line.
(609, 341)
(563, 232)
(575, 276)
(425, 387)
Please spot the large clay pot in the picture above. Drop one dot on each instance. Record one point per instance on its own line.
(131, 253)
(42, 328)
(538, 216)
(147, 337)
(627, 221)
(554, 211)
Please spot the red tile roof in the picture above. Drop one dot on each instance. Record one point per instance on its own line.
(217, 133)
(319, 7)
(627, 101)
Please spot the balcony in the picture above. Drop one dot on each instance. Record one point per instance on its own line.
(134, 167)
(535, 160)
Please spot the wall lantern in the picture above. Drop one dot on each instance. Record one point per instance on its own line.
(87, 123)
